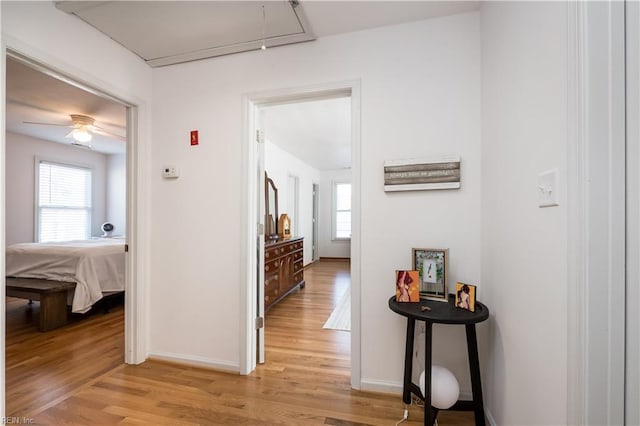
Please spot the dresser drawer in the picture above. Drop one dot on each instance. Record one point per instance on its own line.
(271, 253)
(271, 293)
(271, 266)
(293, 247)
(271, 281)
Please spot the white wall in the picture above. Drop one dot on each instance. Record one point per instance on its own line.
(420, 96)
(117, 192)
(21, 151)
(279, 164)
(328, 247)
(524, 248)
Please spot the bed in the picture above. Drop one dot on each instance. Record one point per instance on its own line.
(97, 266)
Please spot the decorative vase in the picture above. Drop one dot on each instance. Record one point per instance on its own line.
(284, 226)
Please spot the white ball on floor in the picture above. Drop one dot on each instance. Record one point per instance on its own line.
(445, 389)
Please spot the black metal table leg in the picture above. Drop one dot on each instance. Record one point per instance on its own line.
(474, 367)
(408, 360)
(429, 417)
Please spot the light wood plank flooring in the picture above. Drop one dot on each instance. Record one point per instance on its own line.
(75, 375)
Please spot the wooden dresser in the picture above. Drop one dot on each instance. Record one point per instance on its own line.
(283, 269)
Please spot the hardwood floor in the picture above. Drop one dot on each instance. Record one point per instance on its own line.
(305, 381)
(42, 367)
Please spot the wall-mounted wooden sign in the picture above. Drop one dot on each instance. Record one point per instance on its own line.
(442, 172)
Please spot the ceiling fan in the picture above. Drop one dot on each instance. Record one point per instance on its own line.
(83, 129)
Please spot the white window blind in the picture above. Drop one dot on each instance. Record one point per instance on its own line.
(342, 214)
(64, 202)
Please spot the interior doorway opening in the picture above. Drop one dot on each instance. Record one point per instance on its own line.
(107, 156)
(255, 201)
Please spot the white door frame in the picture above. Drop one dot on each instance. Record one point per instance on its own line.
(248, 296)
(596, 213)
(632, 379)
(138, 206)
(260, 209)
(293, 201)
(3, 168)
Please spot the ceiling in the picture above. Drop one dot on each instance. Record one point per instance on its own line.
(169, 32)
(317, 132)
(37, 97)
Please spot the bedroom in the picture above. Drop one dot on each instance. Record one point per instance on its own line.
(85, 187)
(66, 163)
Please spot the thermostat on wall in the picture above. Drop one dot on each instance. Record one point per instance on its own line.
(170, 172)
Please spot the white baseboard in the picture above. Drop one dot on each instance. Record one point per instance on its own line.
(196, 361)
(489, 417)
(369, 385)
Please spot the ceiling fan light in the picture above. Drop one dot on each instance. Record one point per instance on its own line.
(81, 135)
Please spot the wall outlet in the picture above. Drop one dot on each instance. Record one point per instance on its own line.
(170, 172)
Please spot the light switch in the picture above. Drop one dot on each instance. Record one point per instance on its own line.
(548, 188)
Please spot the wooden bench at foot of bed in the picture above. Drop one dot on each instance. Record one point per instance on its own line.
(51, 294)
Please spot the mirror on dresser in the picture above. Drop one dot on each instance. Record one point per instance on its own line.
(271, 209)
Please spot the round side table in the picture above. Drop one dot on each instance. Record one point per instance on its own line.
(441, 313)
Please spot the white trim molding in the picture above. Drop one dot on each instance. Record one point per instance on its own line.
(3, 304)
(576, 193)
(596, 213)
(196, 361)
(632, 379)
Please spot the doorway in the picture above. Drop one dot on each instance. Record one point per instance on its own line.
(304, 141)
(123, 168)
(253, 104)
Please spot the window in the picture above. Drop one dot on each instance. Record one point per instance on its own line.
(63, 202)
(342, 211)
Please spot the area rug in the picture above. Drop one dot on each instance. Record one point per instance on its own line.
(340, 318)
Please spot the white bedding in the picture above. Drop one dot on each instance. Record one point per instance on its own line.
(95, 265)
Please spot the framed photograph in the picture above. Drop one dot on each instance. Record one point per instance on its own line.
(466, 296)
(431, 265)
(407, 286)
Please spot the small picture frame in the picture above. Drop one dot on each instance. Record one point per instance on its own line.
(466, 296)
(407, 286)
(431, 265)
